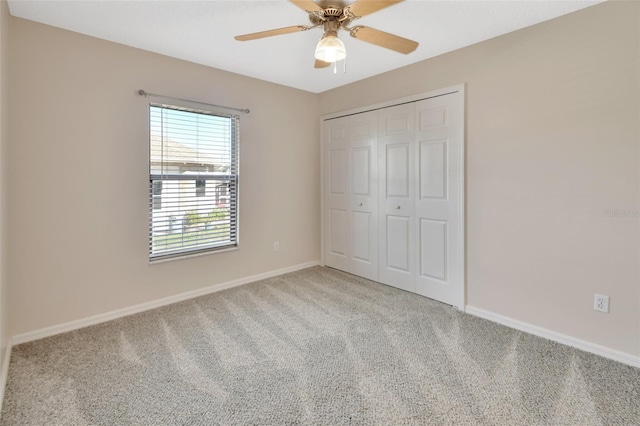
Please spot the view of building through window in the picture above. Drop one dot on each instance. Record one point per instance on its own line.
(192, 181)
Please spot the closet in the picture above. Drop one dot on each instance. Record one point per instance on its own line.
(393, 194)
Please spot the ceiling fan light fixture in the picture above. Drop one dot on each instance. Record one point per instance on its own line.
(330, 48)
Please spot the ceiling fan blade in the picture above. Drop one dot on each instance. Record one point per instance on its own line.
(365, 7)
(321, 64)
(307, 5)
(270, 33)
(380, 38)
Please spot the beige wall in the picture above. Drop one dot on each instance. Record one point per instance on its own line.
(552, 142)
(4, 121)
(79, 176)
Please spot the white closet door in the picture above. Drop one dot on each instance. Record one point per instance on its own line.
(396, 196)
(438, 127)
(336, 187)
(363, 195)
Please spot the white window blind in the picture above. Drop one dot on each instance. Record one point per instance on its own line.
(193, 181)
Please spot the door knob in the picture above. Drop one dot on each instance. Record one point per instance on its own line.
(398, 208)
(360, 204)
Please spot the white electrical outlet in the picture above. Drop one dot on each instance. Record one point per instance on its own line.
(601, 303)
(276, 246)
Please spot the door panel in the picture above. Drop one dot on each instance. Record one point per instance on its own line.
(395, 145)
(438, 135)
(363, 196)
(397, 169)
(433, 169)
(433, 249)
(335, 153)
(360, 241)
(361, 171)
(338, 178)
(351, 182)
(432, 116)
(338, 226)
(398, 243)
(397, 125)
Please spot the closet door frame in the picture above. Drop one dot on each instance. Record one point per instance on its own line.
(460, 89)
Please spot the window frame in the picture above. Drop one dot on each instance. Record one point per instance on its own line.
(233, 178)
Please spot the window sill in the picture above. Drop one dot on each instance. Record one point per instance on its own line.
(198, 254)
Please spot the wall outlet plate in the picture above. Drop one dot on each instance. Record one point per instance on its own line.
(601, 303)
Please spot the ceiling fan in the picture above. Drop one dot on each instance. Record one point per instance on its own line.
(334, 15)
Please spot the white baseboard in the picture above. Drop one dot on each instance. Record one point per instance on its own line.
(593, 348)
(4, 373)
(119, 313)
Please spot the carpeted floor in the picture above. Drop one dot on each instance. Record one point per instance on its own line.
(312, 347)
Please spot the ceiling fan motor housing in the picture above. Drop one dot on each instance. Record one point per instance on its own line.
(330, 14)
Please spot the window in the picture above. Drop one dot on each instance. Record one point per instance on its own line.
(191, 151)
(157, 194)
(201, 187)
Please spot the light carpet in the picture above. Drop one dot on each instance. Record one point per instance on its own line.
(316, 346)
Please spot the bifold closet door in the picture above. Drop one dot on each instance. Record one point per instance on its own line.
(351, 194)
(396, 196)
(336, 179)
(438, 217)
(393, 201)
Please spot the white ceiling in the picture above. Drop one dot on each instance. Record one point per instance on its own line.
(202, 32)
